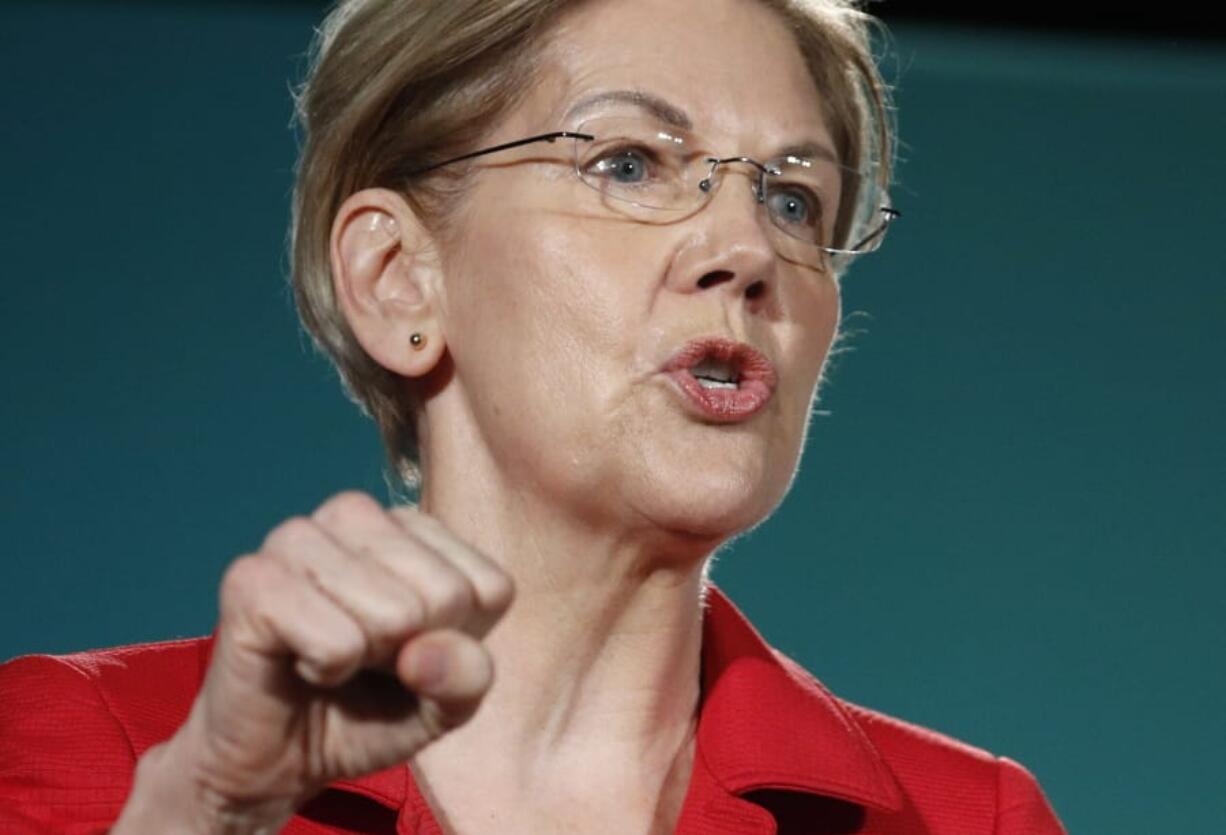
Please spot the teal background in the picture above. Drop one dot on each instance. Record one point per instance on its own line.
(1009, 522)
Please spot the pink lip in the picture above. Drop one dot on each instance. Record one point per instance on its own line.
(755, 384)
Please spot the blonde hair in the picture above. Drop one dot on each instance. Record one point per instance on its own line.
(395, 85)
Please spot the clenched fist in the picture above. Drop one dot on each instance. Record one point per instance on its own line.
(348, 642)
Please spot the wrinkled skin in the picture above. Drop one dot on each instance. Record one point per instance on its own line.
(555, 453)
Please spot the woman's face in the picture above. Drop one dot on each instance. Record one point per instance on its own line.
(562, 319)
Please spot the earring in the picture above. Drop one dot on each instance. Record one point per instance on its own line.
(417, 341)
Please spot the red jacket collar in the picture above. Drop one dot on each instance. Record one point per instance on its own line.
(764, 723)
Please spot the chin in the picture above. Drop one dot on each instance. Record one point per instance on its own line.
(711, 498)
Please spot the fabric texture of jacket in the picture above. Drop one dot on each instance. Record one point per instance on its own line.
(775, 752)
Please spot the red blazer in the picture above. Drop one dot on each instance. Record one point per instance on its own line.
(775, 752)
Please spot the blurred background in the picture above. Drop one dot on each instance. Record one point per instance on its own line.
(1009, 524)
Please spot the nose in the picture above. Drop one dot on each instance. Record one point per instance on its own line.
(728, 245)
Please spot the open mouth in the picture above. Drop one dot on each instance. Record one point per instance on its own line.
(722, 380)
(712, 373)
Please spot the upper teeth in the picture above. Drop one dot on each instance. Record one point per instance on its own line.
(714, 371)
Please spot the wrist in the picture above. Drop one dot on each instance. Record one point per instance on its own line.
(167, 798)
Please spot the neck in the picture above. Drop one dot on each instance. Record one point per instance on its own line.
(597, 660)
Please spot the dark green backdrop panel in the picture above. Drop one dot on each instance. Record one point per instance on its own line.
(1008, 525)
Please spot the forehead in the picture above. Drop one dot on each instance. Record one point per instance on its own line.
(731, 65)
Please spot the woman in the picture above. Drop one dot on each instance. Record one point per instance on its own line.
(580, 262)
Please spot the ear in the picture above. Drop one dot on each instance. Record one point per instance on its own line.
(386, 274)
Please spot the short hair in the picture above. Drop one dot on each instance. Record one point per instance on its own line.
(396, 85)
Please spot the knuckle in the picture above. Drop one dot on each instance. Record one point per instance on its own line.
(255, 595)
(290, 535)
(346, 505)
(451, 598)
(243, 578)
(394, 620)
(343, 649)
(495, 590)
(346, 642)
(421, 524)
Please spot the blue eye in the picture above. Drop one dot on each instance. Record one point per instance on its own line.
(794, 205)
(628, 166)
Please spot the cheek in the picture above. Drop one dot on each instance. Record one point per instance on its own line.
(816, 311)
(538, 299)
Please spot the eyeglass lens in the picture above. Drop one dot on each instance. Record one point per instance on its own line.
(652, 173)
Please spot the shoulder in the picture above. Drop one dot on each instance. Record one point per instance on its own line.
(947, 783)
(73, 726)
(917, 753)
(945, 779)
(145, 689)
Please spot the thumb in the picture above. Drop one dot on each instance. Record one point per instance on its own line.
(449, 671)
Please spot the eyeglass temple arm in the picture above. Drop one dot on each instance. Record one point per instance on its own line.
(544, 137)
(889, 214)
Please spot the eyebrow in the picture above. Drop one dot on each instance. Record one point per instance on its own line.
(811, 151)
(665, 111)
(674, 116)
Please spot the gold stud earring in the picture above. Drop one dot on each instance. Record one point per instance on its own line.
(417, 341)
